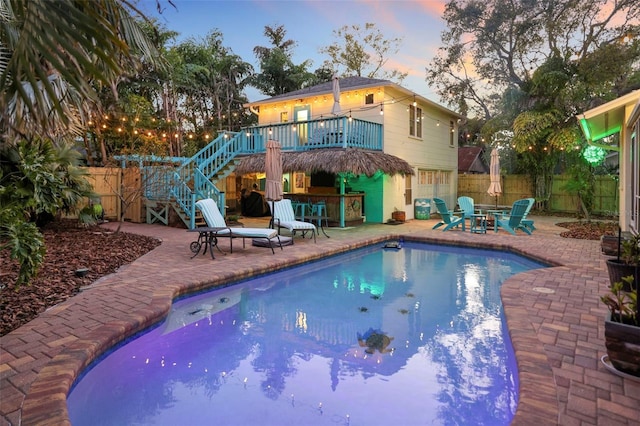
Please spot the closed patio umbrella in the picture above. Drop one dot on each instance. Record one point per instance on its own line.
(273, 170)
(495, 187)
(335, 110)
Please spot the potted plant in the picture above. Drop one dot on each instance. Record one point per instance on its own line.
(627, 263)
(622, 328)
(398, 215)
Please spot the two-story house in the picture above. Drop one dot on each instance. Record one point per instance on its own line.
(370, 115)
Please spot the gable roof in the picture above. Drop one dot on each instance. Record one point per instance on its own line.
(470, 160)
(347, 83)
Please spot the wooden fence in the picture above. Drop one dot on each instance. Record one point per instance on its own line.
(108, 182)
(516, 187)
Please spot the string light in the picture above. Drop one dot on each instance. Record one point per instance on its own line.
(137, 123)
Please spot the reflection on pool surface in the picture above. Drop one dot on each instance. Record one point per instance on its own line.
(377, 336)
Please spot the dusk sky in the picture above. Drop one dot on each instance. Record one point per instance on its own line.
(311, 24)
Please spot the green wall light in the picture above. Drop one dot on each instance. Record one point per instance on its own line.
(594, 154)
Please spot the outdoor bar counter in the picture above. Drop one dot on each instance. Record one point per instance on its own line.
(352, 206)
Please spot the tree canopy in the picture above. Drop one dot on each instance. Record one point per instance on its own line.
(493, 46)
(363, 51)
(278, 74)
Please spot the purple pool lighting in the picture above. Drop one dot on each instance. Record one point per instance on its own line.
(408, 336)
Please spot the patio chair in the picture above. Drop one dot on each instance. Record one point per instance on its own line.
(528, 223)
(467, 207)
(513, 221)
(284, 217)
(449, 220)
(217, 227)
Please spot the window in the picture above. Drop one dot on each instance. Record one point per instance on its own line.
(426, 177)
(422, 177)
(415, 121)
(368, 99)
(445, 178)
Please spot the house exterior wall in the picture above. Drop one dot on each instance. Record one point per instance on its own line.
(435, 151)
(630, 171)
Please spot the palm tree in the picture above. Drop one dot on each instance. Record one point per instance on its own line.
(49, 77)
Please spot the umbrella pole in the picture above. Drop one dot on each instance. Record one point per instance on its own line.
(342, 178)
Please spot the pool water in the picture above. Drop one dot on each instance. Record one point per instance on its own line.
(374, 337)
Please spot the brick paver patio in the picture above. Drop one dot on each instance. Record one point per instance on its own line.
(554, 317)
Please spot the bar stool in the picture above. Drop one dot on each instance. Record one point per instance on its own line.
(319, 209)
(298, 208)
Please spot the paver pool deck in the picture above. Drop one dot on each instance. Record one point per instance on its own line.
(554, 316)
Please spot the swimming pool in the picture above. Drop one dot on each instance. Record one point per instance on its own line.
(377, 336)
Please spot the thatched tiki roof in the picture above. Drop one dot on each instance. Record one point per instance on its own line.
(332, 160)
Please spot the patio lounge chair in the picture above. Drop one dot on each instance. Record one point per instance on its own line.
(467, 206)
(513, 221)
(218, 227)
(448, 218)
(284, 217)
(528, 223)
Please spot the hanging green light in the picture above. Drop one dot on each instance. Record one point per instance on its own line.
(594, 154)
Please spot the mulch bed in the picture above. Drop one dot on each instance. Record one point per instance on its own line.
(588, 230)
(69, 247)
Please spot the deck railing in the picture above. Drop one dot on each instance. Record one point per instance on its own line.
(336, 132)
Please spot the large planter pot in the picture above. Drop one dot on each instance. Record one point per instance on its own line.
(399, 216)
(617, 270)
(623, 346)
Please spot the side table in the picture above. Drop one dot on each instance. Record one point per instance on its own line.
(207, 239)
(321, 220)
(478, 223)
